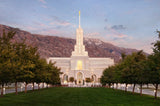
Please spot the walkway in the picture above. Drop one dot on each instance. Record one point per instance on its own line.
(120, 86)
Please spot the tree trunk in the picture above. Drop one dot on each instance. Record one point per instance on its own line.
(141, 89)
(33, 86)
(133, 88)
(156, 91)
(147, 85)
(126, 88)
(109, 85)
(116, 85)
(47, 85)
(26, 87)
(113, 85)
(16, 88)
(2, 90)
(38, 86)
(43, 85)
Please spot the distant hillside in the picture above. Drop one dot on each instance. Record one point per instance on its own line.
(53, 46)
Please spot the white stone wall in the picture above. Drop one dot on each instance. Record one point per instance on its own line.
(75, 59)
(91, 66)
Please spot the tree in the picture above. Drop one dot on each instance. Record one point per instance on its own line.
(88, 80)
(71, 79)
(27, 65)
(131, 69)
(118, 68)
(16, 63)
(108, 76)
(6, 53)
(55, 73)
(40, 71)
(127, 70)
(154, 65)
(52, 74)
(34, 57)
(21, 63)
(140, 70)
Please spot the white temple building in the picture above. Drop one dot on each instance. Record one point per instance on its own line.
(80, 66)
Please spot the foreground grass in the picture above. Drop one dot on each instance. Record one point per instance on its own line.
(77, 96)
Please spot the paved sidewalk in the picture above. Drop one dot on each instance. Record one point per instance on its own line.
(121, 87)
(137, 90)
(12, 90)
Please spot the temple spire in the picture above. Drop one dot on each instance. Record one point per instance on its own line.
(79, 19)
(79, 48)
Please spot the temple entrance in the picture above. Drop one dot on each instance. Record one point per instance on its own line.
(79, 78)
(65, 79)
(93, 78)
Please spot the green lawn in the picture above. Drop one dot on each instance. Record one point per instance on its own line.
(77, 96)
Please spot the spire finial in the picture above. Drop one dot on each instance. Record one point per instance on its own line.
(79, 19)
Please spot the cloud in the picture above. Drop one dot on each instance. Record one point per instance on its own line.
(105, 19)
(51, 32)
(59, 22)
(115, 27)
(117, 36)
(39, 24)
(44, 6)
(113, 32)
(92, 34)
(105, 27)
(44, 30)
(42, 1)
(30, 28)
(64, 23)
(118, 27)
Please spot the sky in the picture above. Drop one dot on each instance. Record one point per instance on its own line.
(124, 23)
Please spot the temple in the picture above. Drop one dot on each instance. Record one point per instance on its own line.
(80, 69)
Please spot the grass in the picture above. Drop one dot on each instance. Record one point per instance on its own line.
(60, 96)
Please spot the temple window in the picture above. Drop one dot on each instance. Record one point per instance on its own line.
(79, 65)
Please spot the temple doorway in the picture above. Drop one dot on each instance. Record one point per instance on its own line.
(79, 78)
(93, 78)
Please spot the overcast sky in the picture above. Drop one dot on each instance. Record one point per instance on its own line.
(125, 23)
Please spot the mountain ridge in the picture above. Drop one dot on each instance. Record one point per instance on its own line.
(55, 46)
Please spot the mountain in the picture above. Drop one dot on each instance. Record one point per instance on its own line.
(54, 46)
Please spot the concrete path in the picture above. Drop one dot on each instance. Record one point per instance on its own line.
(149, 91)
(12, 90)
(120, 86)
